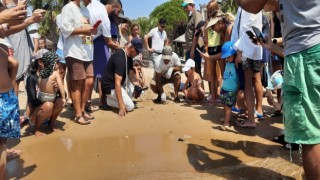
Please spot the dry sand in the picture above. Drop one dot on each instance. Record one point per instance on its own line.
(172, 141)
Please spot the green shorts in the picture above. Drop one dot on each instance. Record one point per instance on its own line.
(301, 96)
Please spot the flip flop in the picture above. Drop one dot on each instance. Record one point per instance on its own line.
(258, 115)
(224, 128)
(84, 122)
(243, 125)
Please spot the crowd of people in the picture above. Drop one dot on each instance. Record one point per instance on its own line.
(267, 45)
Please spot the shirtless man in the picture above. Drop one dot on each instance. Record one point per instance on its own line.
(195, 93)
(47, 92)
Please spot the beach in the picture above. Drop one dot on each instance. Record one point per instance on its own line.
(156, 141)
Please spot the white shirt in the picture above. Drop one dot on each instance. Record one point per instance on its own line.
(158, 39)
(243, 43)
(98, 12)
(72, 16)
(61, 40)
(161, 67)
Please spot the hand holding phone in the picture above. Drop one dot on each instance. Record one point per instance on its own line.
(251, 36)
(95, 26)
(259, 34)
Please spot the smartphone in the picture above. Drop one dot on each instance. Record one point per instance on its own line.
(251, 36)
(46, 6)
(95, 26)
(259, 34)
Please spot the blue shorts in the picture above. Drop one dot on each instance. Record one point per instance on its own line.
(9, 115)
(228, 98)
(59, 52)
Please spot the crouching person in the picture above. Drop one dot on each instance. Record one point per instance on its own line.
(167, 69)
(115, 83)
(194, 93)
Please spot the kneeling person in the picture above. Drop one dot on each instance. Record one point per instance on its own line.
(195, 93)
(114, 83)
(167, 70)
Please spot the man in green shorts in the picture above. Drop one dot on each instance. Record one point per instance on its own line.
(301, 88)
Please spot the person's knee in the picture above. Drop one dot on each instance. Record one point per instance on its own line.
(130, 106)
(47, 108)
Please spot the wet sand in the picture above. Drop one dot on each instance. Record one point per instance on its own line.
(172, 141)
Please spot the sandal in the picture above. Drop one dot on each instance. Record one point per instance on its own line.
(258, 115)
(81, 121)
(87, 116)
(243, 124)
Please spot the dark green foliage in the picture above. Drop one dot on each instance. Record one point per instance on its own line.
(172, 12)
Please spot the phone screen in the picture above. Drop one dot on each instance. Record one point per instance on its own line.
(259, 34)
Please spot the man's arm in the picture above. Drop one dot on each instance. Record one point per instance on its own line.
(122, 107)
(111, 44)
(36, 17)
(146, 39)
(255, 6)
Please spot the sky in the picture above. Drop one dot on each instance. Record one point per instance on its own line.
(142, 8)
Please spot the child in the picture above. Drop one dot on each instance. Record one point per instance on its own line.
(9, 107)
(195, 92)
(230, 82)
(48, 75)
(42, 43)
(138, 76)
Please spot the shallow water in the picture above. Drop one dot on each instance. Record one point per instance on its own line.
(152, 156)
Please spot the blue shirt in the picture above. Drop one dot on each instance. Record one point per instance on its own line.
(230, 78)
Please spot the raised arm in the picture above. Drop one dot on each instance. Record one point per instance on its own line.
(255, 6)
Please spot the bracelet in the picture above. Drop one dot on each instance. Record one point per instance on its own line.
(5, 27)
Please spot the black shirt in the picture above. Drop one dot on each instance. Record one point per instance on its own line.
(115, 65)
(31, 86)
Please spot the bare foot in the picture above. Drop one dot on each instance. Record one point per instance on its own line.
(39, 134)
(227, 124)
(13, 153)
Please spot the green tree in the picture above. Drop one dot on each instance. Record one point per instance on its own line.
(229, 6)
(48, 26)
(146, 24)
(172, 12)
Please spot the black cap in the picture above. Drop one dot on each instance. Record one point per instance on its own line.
(137, 44)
